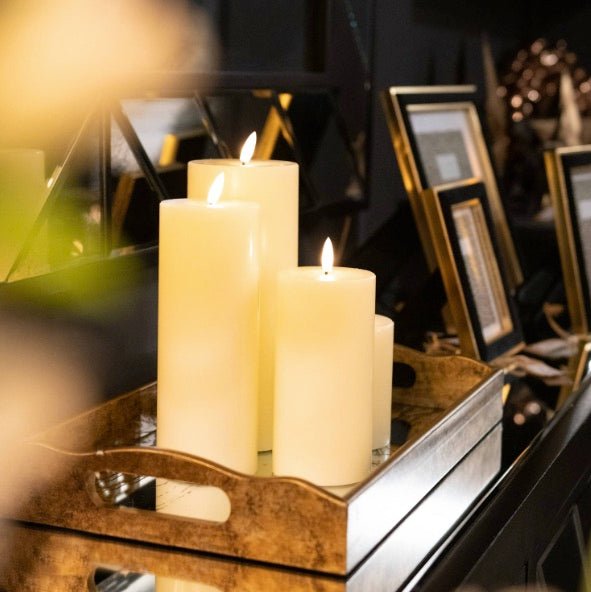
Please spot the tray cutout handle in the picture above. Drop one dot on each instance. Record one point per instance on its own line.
(403, 375)
(103, 578)
(438, 380)
(147, 493)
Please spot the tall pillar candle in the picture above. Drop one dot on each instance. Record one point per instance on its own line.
(323, 374)
(207, 330)
(383, 362)
(274, 185)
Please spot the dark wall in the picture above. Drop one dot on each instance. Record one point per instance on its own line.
(421, 43)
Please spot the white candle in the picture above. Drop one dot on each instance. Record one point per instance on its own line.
(207, 330)
(323, 374)
(383, 361)
(274, 186)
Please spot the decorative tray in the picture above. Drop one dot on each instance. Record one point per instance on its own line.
(66, 561)
(108, 464)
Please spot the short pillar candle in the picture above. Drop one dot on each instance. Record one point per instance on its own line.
(383, 363)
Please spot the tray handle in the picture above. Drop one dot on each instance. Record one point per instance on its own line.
(258, 516)
(435, 381)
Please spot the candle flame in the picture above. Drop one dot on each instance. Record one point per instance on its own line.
(327, 258)
(248, 148)
(215, 191)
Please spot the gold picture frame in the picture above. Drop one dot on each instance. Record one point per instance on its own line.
(578, 369)
(568, 170)
(460, 223)
(438, 139)
(582, 364)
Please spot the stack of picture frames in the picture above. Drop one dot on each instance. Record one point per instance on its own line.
(460, 218)
(438, 140)
(569, 179)
(461, 221)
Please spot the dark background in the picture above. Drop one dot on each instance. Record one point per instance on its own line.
(366, 46)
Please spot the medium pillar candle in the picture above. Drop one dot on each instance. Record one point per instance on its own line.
(274, 186)
(323, 374)
(207, 330)
(383, 362)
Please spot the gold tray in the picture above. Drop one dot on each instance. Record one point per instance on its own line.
(452, 405)
(65, 561)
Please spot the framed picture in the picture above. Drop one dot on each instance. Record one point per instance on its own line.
(483, 312)
(569, 178)
(438, 139)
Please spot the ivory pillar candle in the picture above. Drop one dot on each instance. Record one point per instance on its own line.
(274, 186)
(382, 381)
(323, 374)
(207, 330)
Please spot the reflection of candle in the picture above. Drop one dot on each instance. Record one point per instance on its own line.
(22, 193)
(187, 500)
(323, 407)
(274, 186)
(382, 381)
(168, 584)
(207, 330)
